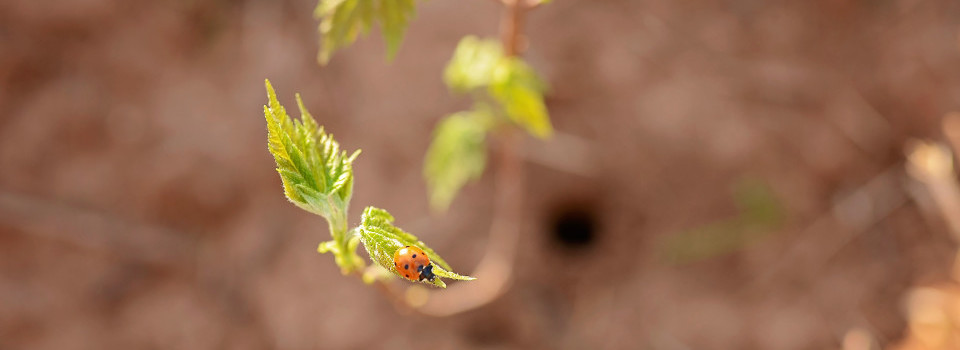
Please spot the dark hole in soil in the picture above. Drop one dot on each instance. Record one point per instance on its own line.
(574, 228)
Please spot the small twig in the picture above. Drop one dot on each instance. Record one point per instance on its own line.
(532, 4)
(563, 152)
(931, 165)
(850, 216)
(495, 269)
(57, 220)
(511, 27)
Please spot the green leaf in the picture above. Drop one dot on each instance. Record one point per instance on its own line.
(760, 215)
(395, 16)
(473, 64)
(343, 21)
(520, 91)
(440, 272)
(382, 240)
(510, 81)
(317, 176)
(458, 154)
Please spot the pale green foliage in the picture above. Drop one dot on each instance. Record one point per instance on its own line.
(472, 64)
(520, 91)
(345, 255)
(481, 64)
(382, 240)
(458, 154)
(342, 21)
(317, 176)
(760, 215)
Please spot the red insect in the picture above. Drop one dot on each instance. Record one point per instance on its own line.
(413, 263)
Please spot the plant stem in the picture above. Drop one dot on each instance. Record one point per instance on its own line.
(511, 27)
(495, 269)
(338, 229)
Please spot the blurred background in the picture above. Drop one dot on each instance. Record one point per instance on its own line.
(726, 175)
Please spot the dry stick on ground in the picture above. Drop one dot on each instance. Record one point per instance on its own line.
(850, 216)
(494, 271)
(97, 231)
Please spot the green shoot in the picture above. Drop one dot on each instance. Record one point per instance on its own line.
(317, 176)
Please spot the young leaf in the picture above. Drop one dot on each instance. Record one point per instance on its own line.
(520, 91)
(382, 240)
(761, 214)
(345, 257)
(317, 176)
(342, 21)
(472, 64)
(395, 16)
(458, 154)
(510, 81)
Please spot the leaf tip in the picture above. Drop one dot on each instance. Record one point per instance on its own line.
(323, 57)
(271, 93)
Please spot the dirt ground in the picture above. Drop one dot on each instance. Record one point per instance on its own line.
(139, 208)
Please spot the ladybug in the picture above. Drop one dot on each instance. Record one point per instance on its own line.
(413, 263)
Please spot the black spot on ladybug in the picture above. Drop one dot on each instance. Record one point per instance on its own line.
(414, 256)
(408, 275)
(406, 266)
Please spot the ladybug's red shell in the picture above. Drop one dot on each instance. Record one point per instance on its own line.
(412, 263)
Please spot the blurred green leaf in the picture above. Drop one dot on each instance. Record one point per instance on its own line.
(510, 81)
(395, 16)
(520, 91)
(382, 240)
(342, 21)
(472, 64)
(760, 214)
(458, 154)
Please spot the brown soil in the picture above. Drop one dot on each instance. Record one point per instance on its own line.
(139, 207)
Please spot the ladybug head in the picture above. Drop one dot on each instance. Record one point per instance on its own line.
(427, 273)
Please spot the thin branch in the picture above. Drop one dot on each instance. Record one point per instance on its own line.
(495, 269)
(511, 27)
(58, 220)
(532, 4)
